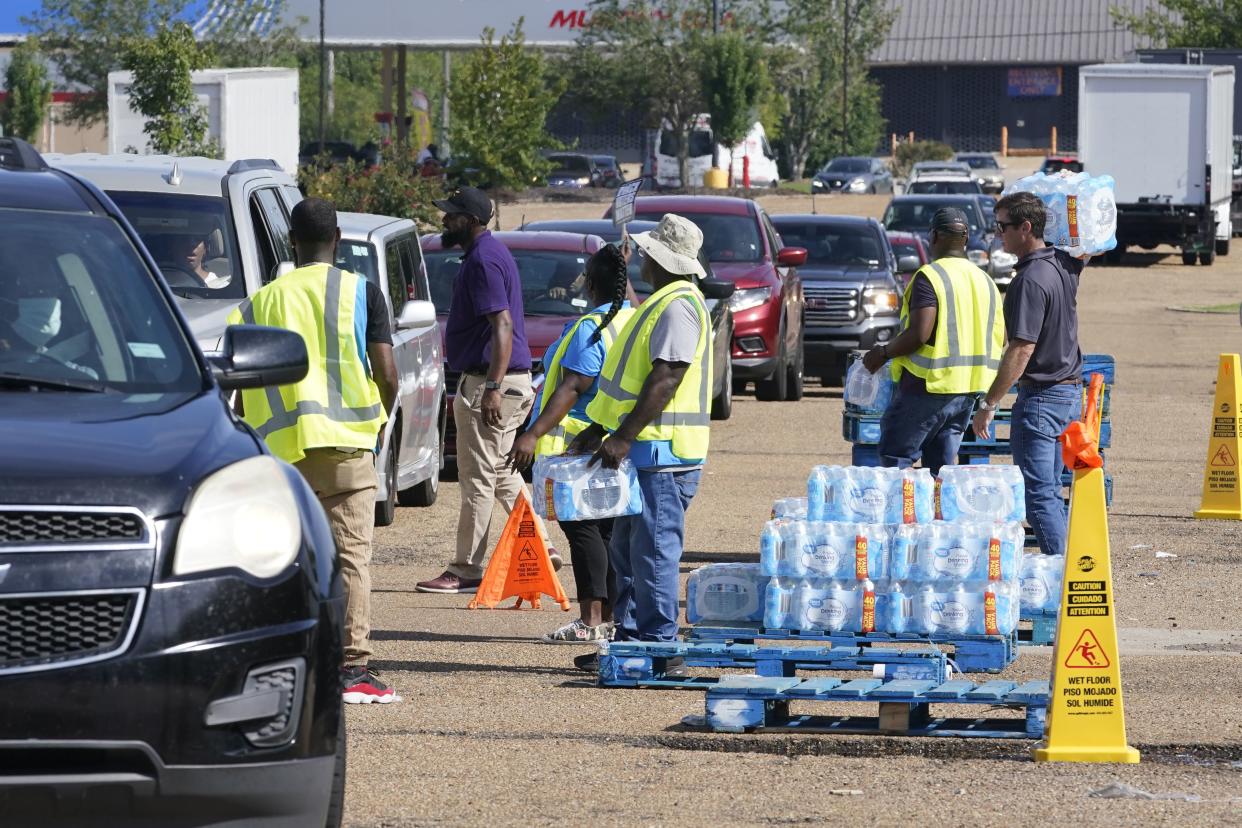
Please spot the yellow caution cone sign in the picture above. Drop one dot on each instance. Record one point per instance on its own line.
(1086, 719)
(1222, 499)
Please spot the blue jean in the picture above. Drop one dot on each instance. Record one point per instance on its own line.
(1040, 415)
(929, 426)
(646, 557)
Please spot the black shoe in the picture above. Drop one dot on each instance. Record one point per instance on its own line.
(588, 663)
(670, 668)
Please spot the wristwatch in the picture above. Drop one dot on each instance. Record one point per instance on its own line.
(491, 385)
(984, 405)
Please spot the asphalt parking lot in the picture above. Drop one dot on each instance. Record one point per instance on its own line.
(497, 728)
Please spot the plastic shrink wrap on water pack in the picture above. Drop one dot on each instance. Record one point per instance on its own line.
(1041, 582)
(725, 592)
(870, 393)
(955, 552)
(981, 492)
(1081, 210)
(870, 494)
(569, 487)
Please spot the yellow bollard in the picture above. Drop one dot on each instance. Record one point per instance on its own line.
(716, 179)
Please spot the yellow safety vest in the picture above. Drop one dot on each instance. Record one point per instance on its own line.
(685, 420)
(556, 440)
(337, 403)
(965, 352)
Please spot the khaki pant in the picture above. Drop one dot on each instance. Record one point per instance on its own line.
(482, 471)
(345, 485)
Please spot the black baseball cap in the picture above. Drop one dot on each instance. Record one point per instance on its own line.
(950, 220)
(469, 200)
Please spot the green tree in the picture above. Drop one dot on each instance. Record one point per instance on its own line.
(832, 106)
(29, 92)
(163, 92)
(734, 78)
(1203, 24)
(86, 38)
(500, 99)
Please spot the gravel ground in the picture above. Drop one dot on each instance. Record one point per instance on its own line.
(497, 728)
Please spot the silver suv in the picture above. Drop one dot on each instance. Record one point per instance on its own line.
(386, 252)
(218, 230)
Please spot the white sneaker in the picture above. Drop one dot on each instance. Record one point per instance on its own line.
(577, 632)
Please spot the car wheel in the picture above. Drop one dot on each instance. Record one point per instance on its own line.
(336, 803)
(722, 405)
(1207, 257)
(774, 387)
(1222, 247)
(1188, 258)
(793, 383)
(386, 510)
(424, 492)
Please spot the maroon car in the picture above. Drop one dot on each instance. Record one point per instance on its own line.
(768, 307)
(547, 262)
(911, 254)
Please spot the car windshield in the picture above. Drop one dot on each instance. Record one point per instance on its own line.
(551, 280)
(571, 163)
(979, 162)
(78, 306)
(700, 143)
(726, 238)
(833, 244)
(191, 239)
(905, 248)
(605, 162)
(848, 165)
(358, 257)
(916, 216)
(925, 187)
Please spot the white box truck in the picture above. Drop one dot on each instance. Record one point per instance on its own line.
(1165, 133)
(252, 113)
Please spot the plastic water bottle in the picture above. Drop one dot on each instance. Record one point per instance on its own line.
(770, 544)
(931, 671)
(955, 613)
(928, 611)
(898, 610)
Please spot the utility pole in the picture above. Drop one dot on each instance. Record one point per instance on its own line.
(845, 82)
(715, 17)
(323, 78)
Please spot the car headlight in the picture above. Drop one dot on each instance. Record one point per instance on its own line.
(881, 301)
(817, 184)
(857, 185)
(743, 300)
(583, 180)
(1003, 261)
(979, 258)
(244, 516)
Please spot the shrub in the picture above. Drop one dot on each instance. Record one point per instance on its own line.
(394, 188)
(908, 154)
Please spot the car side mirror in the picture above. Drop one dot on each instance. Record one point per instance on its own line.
(254, 356)
(418, 313)
(908, 264)
(716, 288)
(791, 256)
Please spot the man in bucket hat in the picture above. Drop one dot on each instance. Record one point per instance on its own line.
(653, 407)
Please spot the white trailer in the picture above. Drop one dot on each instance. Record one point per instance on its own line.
(252, 113)
(1165, 133)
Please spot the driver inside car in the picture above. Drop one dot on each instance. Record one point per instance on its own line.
(189, 253)
(566, 283)
(30, 319)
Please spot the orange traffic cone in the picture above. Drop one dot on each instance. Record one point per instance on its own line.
(520, 565)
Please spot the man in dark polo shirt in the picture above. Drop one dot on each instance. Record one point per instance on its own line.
(484, 339)
(1043, 357)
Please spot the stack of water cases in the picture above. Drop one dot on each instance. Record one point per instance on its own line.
(885, 550)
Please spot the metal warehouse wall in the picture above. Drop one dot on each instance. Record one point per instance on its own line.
(966, 106)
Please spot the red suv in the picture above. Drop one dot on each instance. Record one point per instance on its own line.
(768, 307)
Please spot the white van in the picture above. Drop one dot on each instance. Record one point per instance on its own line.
(755, 147)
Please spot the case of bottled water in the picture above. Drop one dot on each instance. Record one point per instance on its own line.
(1041, 581)
(791, 508)
(981, 492)
(972, 608)
(1081, 210)
(870, 494)
(870, 393)
(569, 487)
(955, 552)
(726, 592)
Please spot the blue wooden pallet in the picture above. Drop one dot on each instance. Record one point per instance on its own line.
(642, 663)
(1043, 627)
(971, 653)
(737, 705)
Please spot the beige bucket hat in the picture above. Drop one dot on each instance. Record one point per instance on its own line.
(674, 244)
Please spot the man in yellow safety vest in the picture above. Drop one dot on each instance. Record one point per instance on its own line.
(653, 407)
(945, 356)
(327, 425)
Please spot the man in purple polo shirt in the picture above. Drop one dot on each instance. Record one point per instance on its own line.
(484, 339)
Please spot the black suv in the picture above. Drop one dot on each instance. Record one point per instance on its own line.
(170, 599)
(849, 281)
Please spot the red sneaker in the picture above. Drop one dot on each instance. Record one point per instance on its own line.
(362, 685)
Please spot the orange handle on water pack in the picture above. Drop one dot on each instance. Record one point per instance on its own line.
(1080, 444)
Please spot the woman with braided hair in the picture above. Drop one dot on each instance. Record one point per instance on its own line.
(571, 379)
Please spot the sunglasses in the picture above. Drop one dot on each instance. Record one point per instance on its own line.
(1001, 225)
